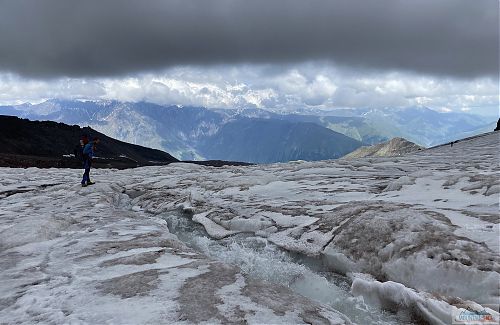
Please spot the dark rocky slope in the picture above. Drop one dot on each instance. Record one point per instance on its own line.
(50, 144)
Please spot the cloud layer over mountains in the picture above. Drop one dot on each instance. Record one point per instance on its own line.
(53, 38)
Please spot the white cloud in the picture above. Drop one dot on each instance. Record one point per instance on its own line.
(15, 90)
(312, 84)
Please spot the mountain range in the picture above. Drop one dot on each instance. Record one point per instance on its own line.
(255, 135)
(269, 140)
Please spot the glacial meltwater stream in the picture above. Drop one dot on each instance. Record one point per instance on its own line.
(262, 260)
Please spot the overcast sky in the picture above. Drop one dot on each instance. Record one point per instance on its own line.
(260, 53)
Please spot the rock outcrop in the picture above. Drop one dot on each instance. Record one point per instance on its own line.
(394, 147)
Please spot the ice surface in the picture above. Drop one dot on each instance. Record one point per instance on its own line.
(393, 295)
(424, 225)
(91, 255)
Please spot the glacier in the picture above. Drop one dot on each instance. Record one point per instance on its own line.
(406, 239)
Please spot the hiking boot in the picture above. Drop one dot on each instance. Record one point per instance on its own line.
(84, 185)
(90, 183)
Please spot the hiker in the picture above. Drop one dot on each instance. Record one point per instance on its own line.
(88, 153)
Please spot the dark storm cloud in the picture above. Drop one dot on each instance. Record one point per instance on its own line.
(97, 37)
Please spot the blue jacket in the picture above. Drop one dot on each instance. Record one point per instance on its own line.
(89, 149)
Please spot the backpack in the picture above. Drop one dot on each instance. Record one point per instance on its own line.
(78, 150)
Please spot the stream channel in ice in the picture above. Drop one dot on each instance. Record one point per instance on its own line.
(262, 260)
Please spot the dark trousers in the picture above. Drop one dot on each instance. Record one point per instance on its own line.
(86, 166)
